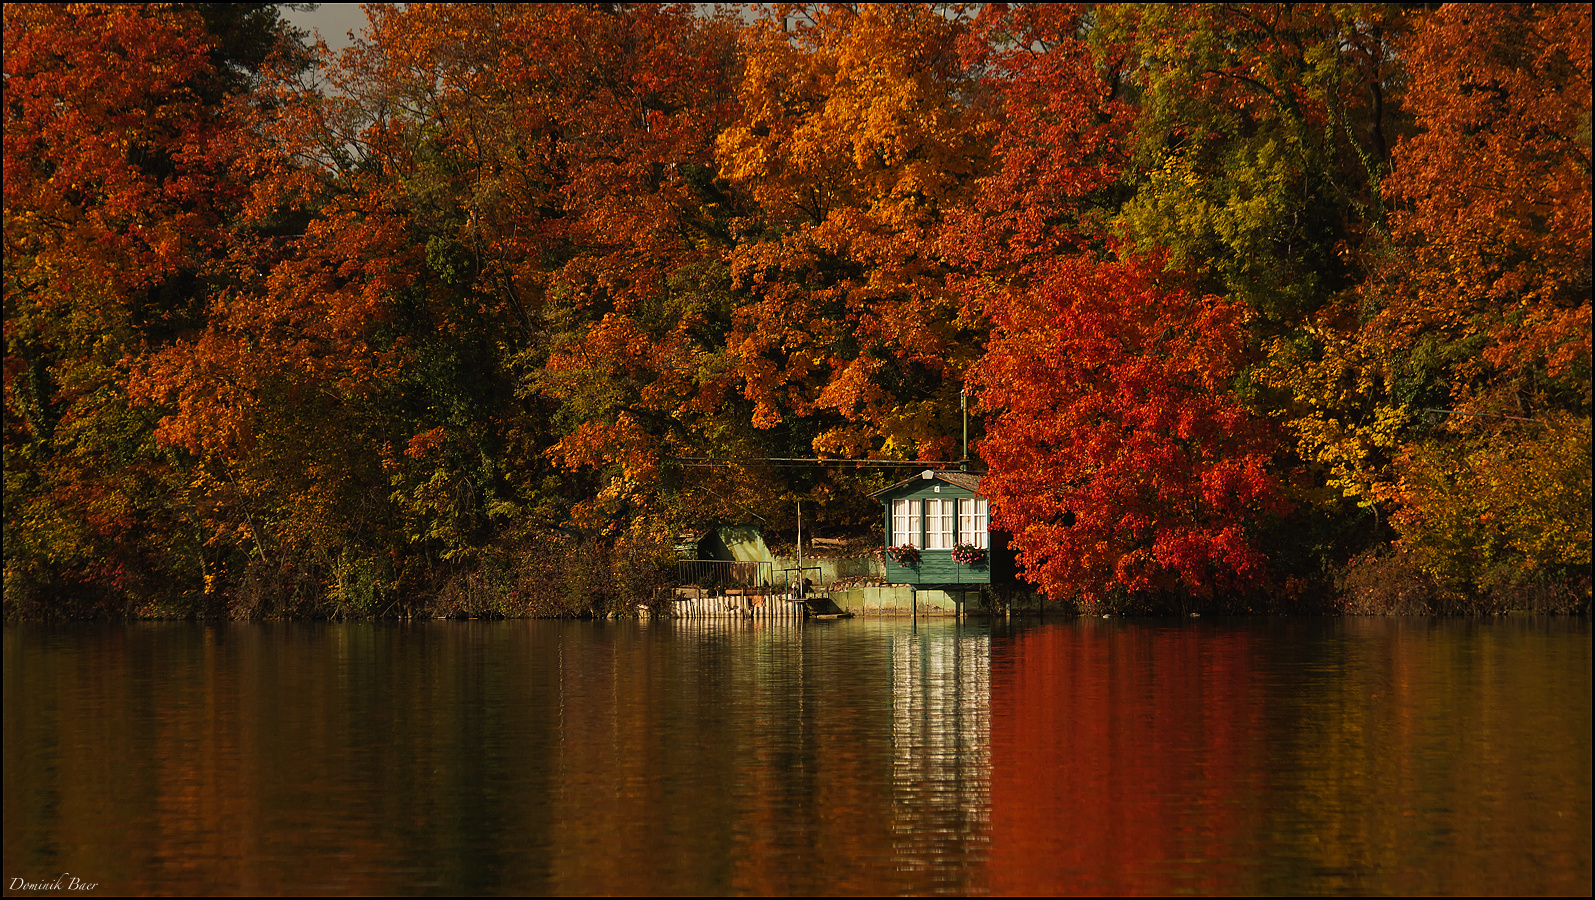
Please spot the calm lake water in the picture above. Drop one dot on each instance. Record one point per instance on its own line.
(1334, 756)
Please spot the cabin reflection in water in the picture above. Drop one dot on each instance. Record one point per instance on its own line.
(941, 731)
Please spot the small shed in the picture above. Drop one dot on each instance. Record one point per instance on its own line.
(936, 513)
(732, 543)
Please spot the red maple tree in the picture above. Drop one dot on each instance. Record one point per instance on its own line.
(1120, 458)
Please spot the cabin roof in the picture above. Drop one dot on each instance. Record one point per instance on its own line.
(688, 540)
(966, 480)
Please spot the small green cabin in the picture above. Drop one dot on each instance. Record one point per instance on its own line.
(935, 512)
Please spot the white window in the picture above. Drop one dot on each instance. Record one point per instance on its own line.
(974, 523)
(905, 523)
(939, 524)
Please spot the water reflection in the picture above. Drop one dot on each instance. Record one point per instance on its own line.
(941, 760)
(1341, 756)
(724, 757)
(1125, 759)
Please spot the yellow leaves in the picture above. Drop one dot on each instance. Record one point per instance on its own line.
(1240, 210)
(1336, 407)
(1511, 506)
(1548, 477)
(1176, 170)
(846, 442)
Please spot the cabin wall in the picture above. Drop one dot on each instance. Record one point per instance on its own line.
(937, 567)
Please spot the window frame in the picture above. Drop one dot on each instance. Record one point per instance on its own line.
(941, 523)
(974, 526)
(911, 532)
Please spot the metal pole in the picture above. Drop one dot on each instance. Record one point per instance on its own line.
(963, 403)
(801, 592)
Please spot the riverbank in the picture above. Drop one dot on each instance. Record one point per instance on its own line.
(593, 580)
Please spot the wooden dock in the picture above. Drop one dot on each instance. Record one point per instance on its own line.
(731, 589)
(766, 607)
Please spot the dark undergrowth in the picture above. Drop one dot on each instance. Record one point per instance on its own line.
(1392, 583)
(573, 578)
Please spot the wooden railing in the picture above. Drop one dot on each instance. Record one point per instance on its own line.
(717, 574)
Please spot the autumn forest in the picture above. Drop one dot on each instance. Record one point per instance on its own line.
(1255, 307)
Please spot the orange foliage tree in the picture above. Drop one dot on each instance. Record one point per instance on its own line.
(120, 138)
(500, 276)
(1494, 204)
(1490, 284)
(854, 138)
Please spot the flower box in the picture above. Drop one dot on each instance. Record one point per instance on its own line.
(905, 555)
(968, 555)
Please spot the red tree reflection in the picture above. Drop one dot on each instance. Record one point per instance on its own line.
(1087, 799)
